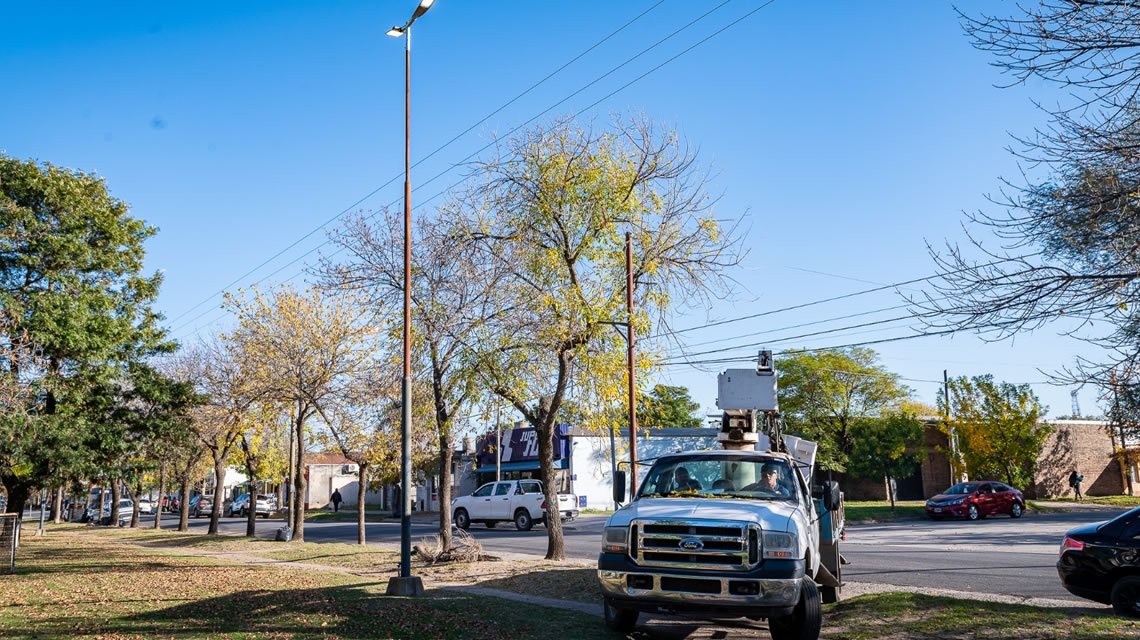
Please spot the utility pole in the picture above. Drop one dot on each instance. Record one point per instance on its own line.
(498, 447)
(629, 349)
(1125, 463)
(956, 470)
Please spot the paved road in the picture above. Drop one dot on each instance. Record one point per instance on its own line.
(995, 555)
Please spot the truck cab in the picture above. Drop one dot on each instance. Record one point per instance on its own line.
(738, 532)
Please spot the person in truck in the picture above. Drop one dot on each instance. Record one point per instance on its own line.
(684, 482)
(771, 481)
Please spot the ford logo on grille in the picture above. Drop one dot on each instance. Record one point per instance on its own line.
(691, 544)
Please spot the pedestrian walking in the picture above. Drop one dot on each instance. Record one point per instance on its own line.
(336, 499)
(1075, 480)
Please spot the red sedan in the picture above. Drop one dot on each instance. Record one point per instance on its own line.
(975, 500)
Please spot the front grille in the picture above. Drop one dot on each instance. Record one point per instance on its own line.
(694, 544)
(690, 585)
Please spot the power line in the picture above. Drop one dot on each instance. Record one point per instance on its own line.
(532, 119)
(802, 335)
(429, 155)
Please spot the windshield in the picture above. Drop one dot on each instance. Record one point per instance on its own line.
(961, 489)
(720, 477)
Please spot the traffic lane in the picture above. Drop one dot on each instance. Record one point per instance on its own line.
(1027, 575)
(581, 537)
(1031, 534)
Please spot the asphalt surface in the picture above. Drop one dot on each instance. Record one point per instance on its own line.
(996, 555)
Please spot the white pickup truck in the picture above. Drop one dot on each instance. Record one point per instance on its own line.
(518, 501)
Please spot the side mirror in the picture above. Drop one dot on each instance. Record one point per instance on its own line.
(619, 486)
(831, 497)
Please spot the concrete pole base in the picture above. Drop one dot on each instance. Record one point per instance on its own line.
(411, 586)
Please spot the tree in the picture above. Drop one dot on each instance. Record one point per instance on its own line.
(998, 426)
(71, 279)
(889, 447)
(304, 349)
(1067, 251)
(667, 406)
(825, 394)
(547, 216)
(262, 436)
(366, 428)
(448, 303)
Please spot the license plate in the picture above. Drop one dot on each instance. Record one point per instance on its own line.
(938, 510)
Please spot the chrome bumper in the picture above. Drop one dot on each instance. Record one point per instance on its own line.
(772, 592)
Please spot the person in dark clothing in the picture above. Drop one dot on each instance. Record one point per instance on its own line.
(336, 499)
(1075, 480)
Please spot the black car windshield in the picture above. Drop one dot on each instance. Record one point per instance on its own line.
(961, 489)
(720, 476)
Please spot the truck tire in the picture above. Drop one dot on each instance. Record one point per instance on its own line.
(807, 619)
(523, 521)
(462, 520)
(621, 620)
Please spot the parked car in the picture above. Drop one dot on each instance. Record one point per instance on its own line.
(201, 505)
(234, 508)
(1101, 562)
(145, 505)
(518, 501)
(171, 503)
(266, 504)
(974, 500)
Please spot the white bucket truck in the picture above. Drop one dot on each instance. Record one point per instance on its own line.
(731, 533)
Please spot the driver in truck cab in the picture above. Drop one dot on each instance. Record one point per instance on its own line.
(771, 481)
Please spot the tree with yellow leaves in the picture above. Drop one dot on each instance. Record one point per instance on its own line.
(548, 216)
(303, 348)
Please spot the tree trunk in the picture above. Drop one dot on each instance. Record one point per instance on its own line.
(555, 546)
(890, 491)
(116, 495)
(251, 515)
(299, 480)
(135, 509)
(184, 501)
(445, 490)
(102, 502)
(219, 492)
(57, 506)
(362, 481)
(161, 494)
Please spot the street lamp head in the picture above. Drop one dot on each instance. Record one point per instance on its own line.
(396, 32)
(426, 4)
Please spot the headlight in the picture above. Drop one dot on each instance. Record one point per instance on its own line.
(780, 545)
(958, 501)
(615, 539)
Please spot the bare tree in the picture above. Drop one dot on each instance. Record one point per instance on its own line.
(548, 216)
(1068, 245)
(449, 302)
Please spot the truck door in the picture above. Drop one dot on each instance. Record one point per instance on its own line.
(501, 501)
(479, 506)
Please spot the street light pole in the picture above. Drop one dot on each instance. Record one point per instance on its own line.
(406, 584)
(629, 346)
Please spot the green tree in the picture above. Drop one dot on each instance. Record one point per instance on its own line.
(71, 261)
(998, 428)
(824, 394)
(667, 406)
(889, 447)
(548, 217)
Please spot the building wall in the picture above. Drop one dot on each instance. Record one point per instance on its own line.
(1081, 446)
(591, 471)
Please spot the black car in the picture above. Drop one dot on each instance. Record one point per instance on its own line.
(1101, 562)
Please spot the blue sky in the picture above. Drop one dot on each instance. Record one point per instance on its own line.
(849, 134)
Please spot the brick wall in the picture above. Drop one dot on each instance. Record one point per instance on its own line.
(935, 464)
(1084, 446)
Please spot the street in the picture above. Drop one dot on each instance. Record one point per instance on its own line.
(995, 555)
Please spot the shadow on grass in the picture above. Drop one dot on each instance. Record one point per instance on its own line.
(354, 611)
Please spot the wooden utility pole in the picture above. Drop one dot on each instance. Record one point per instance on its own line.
(629, 348)
(956, 471)
(1125, 463)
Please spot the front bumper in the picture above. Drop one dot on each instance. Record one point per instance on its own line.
(947, 511)
(569, 514)
(771, 589)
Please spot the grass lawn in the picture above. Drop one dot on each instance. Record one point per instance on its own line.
(899, 616)
(83, 582)
(83, 586)
(1115, 501)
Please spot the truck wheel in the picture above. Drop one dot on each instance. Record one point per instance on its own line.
(623, 620)
(462, 520)
(807, 619)
(523, 521)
